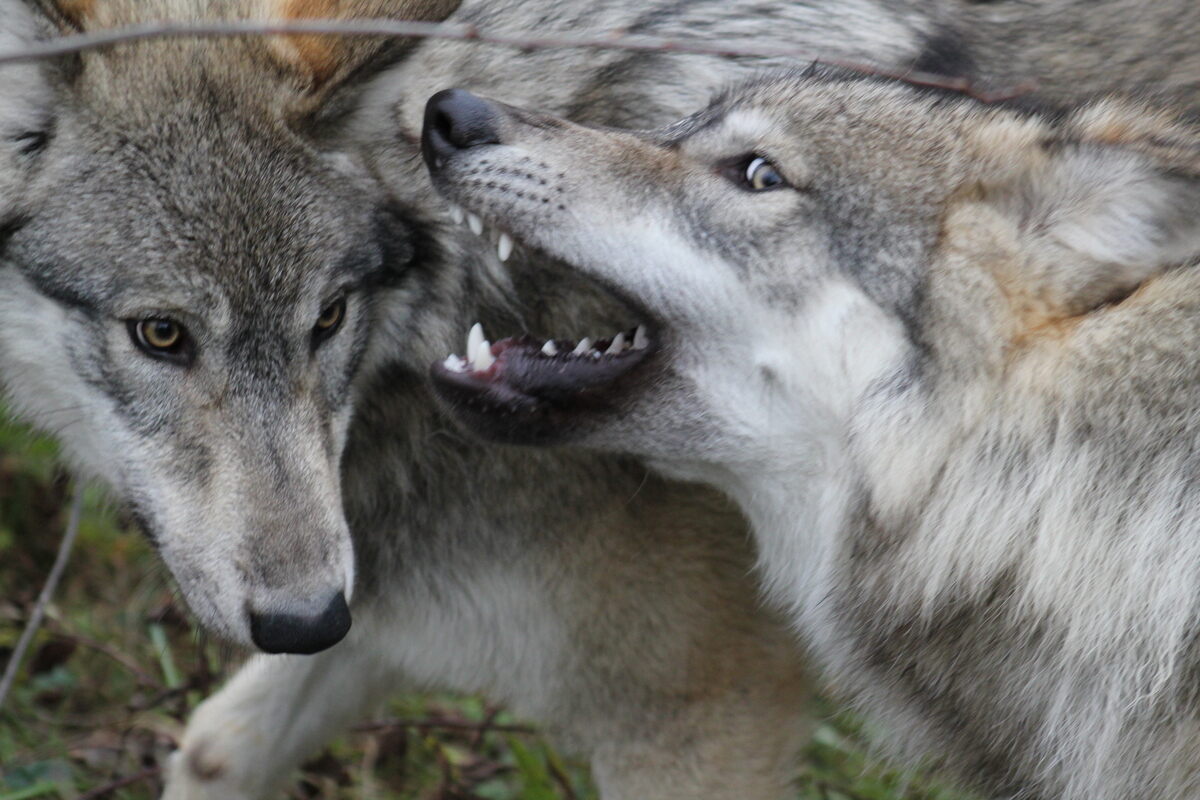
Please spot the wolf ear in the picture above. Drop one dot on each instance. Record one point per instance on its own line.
(325, 63)
(1106, 208)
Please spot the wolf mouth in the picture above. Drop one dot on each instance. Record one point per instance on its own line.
(524, 375)
(534, 382)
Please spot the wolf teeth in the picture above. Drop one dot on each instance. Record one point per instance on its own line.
(504, 247)
(584, 345)
(457, 214)
(455, 364)
(475, 224)
(483, 358)
(640, 340)
(550, 348)
(474, 337)
(618, 344)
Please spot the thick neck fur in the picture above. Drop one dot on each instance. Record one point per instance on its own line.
(998, 557)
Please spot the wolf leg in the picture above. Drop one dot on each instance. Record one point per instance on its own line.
(242, 742)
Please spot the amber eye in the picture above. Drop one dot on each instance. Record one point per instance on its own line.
(762, 175)
(329, 320)
(161, 338)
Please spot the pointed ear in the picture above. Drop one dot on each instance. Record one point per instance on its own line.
(1107, 202)
(324, 63)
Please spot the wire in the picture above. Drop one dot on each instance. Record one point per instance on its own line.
(613, 40)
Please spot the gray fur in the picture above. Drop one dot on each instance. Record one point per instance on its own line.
(948, 372)
(612, 606)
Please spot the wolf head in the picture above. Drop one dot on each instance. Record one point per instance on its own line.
(185, 270)
(805, 239)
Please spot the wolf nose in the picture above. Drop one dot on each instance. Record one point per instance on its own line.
(301, 633)
(457, 120)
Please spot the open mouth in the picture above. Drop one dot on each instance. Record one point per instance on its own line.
(533, 382)
(527, 389)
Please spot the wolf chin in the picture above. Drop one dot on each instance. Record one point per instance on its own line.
(941, 354)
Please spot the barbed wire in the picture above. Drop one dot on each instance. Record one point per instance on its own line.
(411, 29)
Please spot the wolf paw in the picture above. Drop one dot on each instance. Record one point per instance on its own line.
(198, 772)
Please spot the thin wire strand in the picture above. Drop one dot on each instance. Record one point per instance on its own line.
(388, 28)
(39, 610)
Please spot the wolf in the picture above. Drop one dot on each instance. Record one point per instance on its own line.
(225, 273)
(223, 310)
(940, 352)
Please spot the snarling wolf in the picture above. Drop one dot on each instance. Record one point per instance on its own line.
(224, 268)
(942, 354)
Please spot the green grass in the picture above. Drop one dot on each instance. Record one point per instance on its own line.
(104, 693)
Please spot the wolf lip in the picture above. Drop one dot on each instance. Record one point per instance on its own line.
(528, 376)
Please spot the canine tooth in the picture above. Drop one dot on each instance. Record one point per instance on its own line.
(473, 340)
(549, 348)
(640, 340)
(584, 345)
(505, 247)
(618, 344)
(483, 356)
(455, 364)
(457, 214)
(475, 224)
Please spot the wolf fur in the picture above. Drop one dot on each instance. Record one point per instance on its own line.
(947, 370)
(203, 181)
(217, 179)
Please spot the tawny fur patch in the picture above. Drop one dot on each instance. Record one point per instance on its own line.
(977, 238)
(315, 57)
(78, 12)
(321, 59)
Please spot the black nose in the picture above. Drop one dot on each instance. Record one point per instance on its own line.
(457, 120)
(299, 633)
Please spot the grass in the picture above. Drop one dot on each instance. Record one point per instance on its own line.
(117, 667)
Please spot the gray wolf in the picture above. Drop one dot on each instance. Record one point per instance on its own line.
(223, 311)
(942, 353)
(276, 435)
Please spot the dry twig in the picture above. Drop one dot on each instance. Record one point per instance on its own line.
(39, 609)
(444, 725)
(384, 28)
(120, 783)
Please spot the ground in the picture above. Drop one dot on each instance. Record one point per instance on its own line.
(104, 691)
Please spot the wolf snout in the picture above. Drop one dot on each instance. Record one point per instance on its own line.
(457, 120)
(302, 628)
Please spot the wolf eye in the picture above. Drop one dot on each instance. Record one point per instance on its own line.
(161, 338)
(761, 175)
(329, 320)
